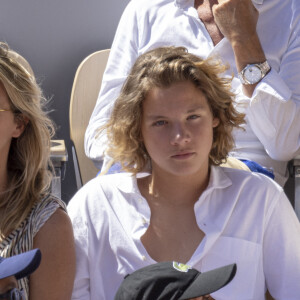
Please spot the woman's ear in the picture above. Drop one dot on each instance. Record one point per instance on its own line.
(21, 123)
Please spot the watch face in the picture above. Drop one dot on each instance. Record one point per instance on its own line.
(252, 74)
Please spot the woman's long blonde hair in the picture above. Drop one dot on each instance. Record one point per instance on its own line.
(161, 68)
(28, 163)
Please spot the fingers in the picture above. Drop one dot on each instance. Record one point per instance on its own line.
(236, 19)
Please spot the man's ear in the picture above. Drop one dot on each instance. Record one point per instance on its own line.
(21, 123)
(216, 122)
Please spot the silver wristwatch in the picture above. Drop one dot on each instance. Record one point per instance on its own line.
(253, 73)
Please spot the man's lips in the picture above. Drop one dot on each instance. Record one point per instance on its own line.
(183, 155)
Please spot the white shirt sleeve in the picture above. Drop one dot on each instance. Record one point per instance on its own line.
(81, 289)
(274, 111)
(281, 251)
(88, 213)
(117, 69)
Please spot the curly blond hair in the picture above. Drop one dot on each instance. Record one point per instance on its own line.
(161, 68)
(28, 163)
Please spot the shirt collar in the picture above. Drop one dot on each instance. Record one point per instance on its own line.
(218, 179)
(127, 183)
(258, 1)
(182, 3)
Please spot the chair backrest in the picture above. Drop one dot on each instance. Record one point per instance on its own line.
(295, 173)
(85, 90)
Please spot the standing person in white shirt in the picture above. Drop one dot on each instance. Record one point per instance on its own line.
(241, 32)
(170, 128)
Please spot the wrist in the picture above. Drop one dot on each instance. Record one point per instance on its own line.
(254, 73)
(248, 51)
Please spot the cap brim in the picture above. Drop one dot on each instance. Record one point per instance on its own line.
(20, 265)
(209, 282)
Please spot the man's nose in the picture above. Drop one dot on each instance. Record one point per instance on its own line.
(179, 134)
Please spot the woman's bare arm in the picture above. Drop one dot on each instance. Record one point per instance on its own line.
(54, 278)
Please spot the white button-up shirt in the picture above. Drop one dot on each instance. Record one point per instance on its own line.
(246, 219)
(272, 134)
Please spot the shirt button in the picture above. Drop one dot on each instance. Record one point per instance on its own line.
(144, 221)
(144, 258)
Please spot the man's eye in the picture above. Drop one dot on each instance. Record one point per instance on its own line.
(192, 117)
(160, 123)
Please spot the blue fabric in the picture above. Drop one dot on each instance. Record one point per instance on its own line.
(255, 167)
(115, 168)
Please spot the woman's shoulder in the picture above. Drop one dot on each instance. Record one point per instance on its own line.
(46, 206)
(43, 210)
(21, 239)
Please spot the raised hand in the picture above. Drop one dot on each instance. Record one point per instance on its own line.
(236, 19)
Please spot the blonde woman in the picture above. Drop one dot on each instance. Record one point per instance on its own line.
(171, 128)
(30, 217)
